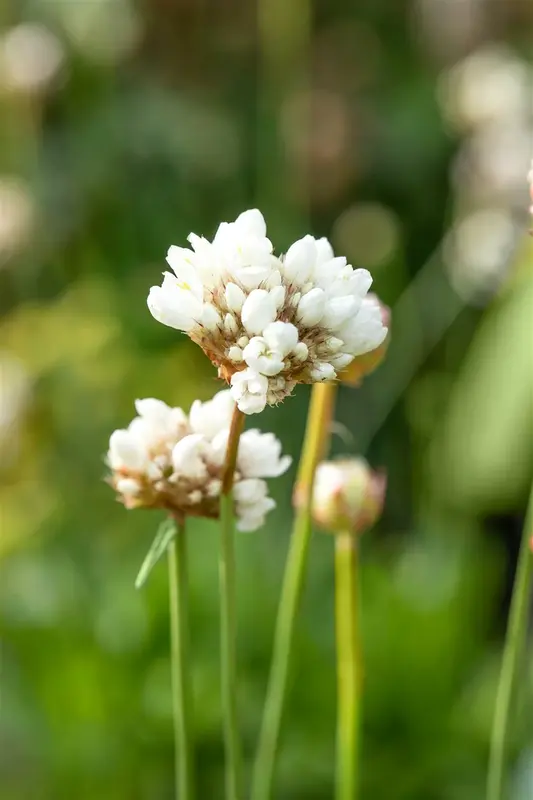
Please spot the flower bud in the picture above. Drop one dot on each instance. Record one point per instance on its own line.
(347, 496)
(365, 364)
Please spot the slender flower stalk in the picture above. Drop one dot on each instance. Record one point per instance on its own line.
(349, 666)
(316, 439)
(228, 624)
(181, 676)
(513, 648)
(348, 498)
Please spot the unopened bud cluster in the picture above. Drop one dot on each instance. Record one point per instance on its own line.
(168, 459)
(268, 322)
(348, 496)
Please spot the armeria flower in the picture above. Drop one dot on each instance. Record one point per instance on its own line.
(168, 459)
(267, 323)
(348, 496)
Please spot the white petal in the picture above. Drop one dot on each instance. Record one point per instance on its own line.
(249, 389)
(250, 490)
(342, 360)
(281, 336)
(366, 331)
(361, 281)
(252, 404)
(235, 354)
(338, 309)
(188, 457)
(311, 307)
(214, 487)
(153, 471)
(241, 380)
(259, 455)
(173, 309)
(257, 384)
(252, 223)
(273, 280)
(323, 371)
(235, 297)
(260, 358)
(333, 344)
(299, 260)
(126, 451)
(230, 324)
(324, 250)
(278, 295)
(248, 523)
(258, 311)
(301, 351)
(211, 318)
(180, 259)
(219, 446)
(213, 416)
(251, 277)
(151, 408)
(128, 486)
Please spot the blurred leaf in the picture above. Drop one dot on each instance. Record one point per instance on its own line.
(165, 533)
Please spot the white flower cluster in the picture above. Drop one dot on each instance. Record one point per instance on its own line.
(268, 323)
(168, 459)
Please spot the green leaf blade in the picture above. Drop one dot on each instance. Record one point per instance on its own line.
(165, 533)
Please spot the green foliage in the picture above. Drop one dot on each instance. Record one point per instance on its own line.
(165, 533)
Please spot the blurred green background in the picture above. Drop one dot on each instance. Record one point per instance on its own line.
(403, 131)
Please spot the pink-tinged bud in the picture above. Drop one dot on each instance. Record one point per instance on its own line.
(363, 365)
(348, 496)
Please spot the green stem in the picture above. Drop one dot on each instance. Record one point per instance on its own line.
(514, 644)
(181, 688)
(316, 437)
(228, 623)
(348, 666)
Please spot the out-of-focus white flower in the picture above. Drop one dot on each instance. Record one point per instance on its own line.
(490, 166)
(105, 32)
(267, 323)
(477, 252)
(348, 496)
(168, 459)
(31, 56)
(490, 85)
(17, 213)
(14, 394)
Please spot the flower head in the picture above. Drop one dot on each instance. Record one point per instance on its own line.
(168, 459)
(347, 495)
(267, 323)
